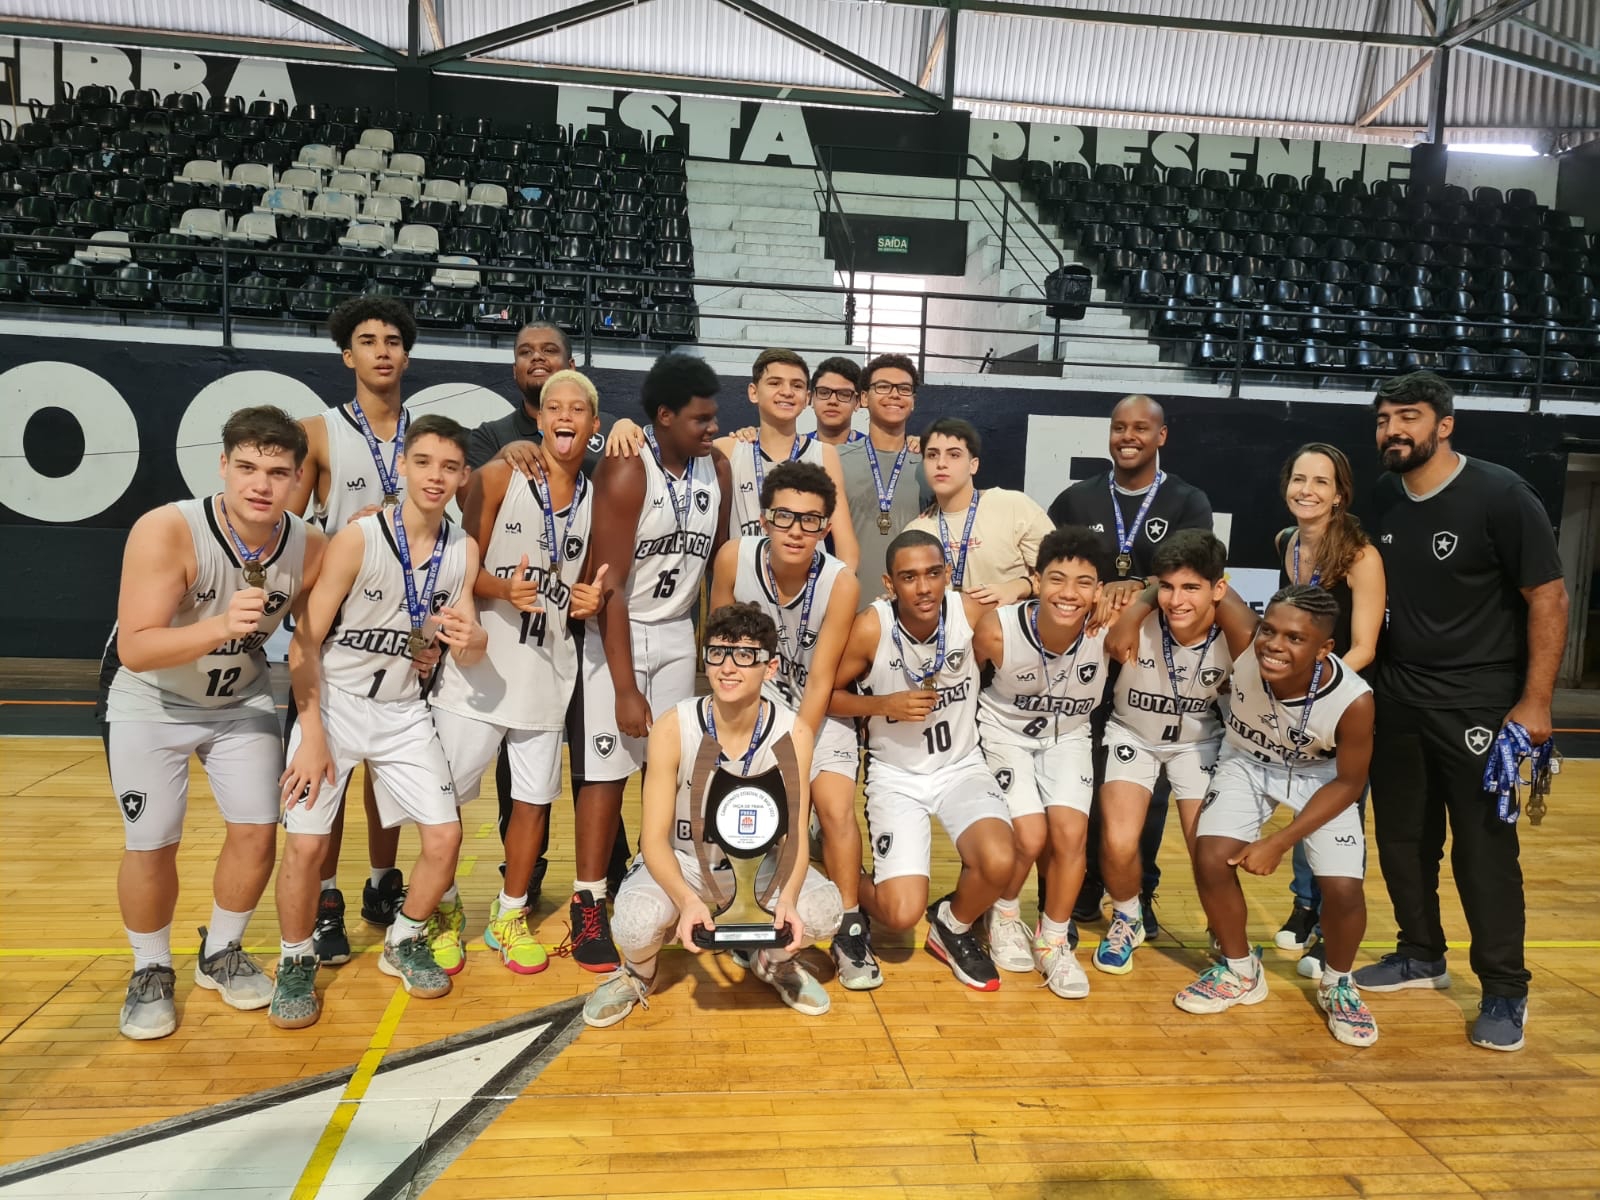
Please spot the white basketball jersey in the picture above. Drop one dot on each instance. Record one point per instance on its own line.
(1160, 710)
(353, 480)
(691, 729)
(950, 732)
(1281, 731)
(526, 677)
(230, 681)
(671, 549)
(746, 478)
(1035, 697)
(365, 653)
(795, 644)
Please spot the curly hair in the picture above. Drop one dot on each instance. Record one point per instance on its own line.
(673, 381)
(347, 318)
(800, 477)
(741, 623)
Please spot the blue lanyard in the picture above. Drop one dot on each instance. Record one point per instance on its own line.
(548, 507)
(931, 669)
(958, 568)
(1044, 656)
(254, 573)
(1316, 573)
(388, 477)
(764, 558)
(1305, 712)
(855, 435)
(680, 512)
(795, 451)
(417, 607)
(755, 736)
(1172, 669)
(1124, 538)
(1502, 774)
(885, 495)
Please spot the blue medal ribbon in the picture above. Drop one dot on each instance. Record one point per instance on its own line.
(1502, 774)
(1316, 573)
(255, 575)
(388, 477)
(933, 668)
(755, 736)
(1167, 645)
(680, 512)
(795, 451)
(547, 506)
(958, 568)
(1305, 712)
(1124, 538)
(855, 435)
(809, 594)
(885, 494)
(417, 606)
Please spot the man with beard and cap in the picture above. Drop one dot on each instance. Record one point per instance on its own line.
(1477, 625)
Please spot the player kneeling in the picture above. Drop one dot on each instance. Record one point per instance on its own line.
(1298, 732)
(664, 891)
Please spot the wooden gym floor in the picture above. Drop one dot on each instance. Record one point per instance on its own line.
(921, 1088)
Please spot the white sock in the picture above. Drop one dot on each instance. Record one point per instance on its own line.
(451, 895)
(1244, 968)
(225, 927)
(151, 949)
(1330, 977)
(510, 903)
(949, 918)
(378, 873)
(596, 888)
(296, 949)
(404, 928)
(1009, 908)
(1128, 910)
(1053, 931)
(331, 884)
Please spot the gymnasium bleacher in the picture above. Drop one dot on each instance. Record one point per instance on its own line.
(479, 224)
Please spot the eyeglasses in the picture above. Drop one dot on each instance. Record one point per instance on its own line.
(743, 656)
(783, 518)
(844, 395)
(884, 388)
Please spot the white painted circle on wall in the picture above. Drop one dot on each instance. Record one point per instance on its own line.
(110, 442)
(200, 431)
(469, 403)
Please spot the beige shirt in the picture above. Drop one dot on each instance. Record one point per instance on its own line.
(1005, 537)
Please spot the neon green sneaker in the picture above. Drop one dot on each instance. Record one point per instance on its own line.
(508, 933)
(447, 936)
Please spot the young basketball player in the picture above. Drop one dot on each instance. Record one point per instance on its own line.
(811, 597)
(350, 472)
(204, 584)
(835, 396)
(1299, 733)
(1048, 674)
(663, 514)
(535, 533)
(664, 891)
(393, 583)
(913, 669)
(1164, 719)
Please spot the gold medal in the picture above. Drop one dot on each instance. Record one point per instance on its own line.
(255, 575)
(391, 498)
(417, 642)
(1124, 564)
(884, 524)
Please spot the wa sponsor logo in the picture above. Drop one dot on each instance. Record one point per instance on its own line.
(355, 485)
(513, 526)
(207, 595)
(372, 593)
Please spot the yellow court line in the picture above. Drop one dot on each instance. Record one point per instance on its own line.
(333, 1134)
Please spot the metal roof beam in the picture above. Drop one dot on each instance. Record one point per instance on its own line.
(1429, 21)
(1540, 66)
(1473, 26)
(343, 32)
(1592, 53)
(1394, 93)
(562, 18)
(198, 43)
(834, 52)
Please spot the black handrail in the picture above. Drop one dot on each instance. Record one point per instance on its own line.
(831, 197)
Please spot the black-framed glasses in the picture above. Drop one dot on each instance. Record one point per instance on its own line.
(883, 387)
(743, 656)
(844, 395)
(783, 518)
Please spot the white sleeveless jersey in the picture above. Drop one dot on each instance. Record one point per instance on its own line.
(230, 681)
(949, 733)
(669, 558)
(744, 516)
(1145, 705)
(691, 729)
(526, 677)
(365, 653)
(1034, 698)
(795, 645)
(1272, 731)
(353, 481)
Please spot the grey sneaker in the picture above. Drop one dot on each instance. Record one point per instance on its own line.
(235, 974)
(149, 1012)
(1394, 972)
(1010, 942)
(294, 994)
(615, 997)
(852, 956)
(794, 984)
(411, 962)
(1500, 1022)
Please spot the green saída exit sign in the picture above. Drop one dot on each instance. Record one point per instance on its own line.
(893, 243)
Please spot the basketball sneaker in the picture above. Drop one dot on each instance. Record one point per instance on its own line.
(1219, 989)
(589, 941)
(1349, 1019)
(447, 936)
(615, 997)
(852, 955)
(149, 1012)
(963, 953)
(329, 939)
(1147, 914)
(233, 973)
(1296, 931)
(1396, 971)
(508, 933)
(1500, 1023)
(411, 962)
(380, 904)
(1114, 955)
(1010, 944)
(795, 986)
(1059, 966)
(1313, 960)
(294, 994)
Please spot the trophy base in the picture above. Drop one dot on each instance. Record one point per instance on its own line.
(740, 937)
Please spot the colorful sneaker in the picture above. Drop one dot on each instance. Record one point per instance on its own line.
(508, 933)
(1296, 931)
(1313, 960)
(412, 963)
(329, 939)
(1114, 955)
(1349, 1019)
(1219, 989)
(1059, 966)
(963, 953)
(1500, 1023)
(589, 942)
(149, 1012)
(614, 998)
(242, 982)
(380, 904)
(294, 994)
(447, 936)
(795, 986)
(1394, 972)
(1010, 944)
(852, 955)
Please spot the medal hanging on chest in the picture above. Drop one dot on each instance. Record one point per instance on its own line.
(255, 571)
(388, 476)
(885, 490)
(417, 606)
(1124, 538)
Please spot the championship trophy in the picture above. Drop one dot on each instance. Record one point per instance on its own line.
(747, 817)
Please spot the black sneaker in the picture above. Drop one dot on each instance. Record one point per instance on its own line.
(963, 953)
(852, 955)
(1087, 909)
(1314, 960)
(1072, 934)
(590, 943)
(380, 904)
(328, 939)
(1296, 931)
(1147, 913)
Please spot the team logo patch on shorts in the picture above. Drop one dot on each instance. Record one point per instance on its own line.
(1003, 778)
(132, 804)
(1087, 671)
(604, 744)
(1211, 798)
(573, 548)
(1124, 752)
(1478, 738)
(881, 844)
(1211, 676)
